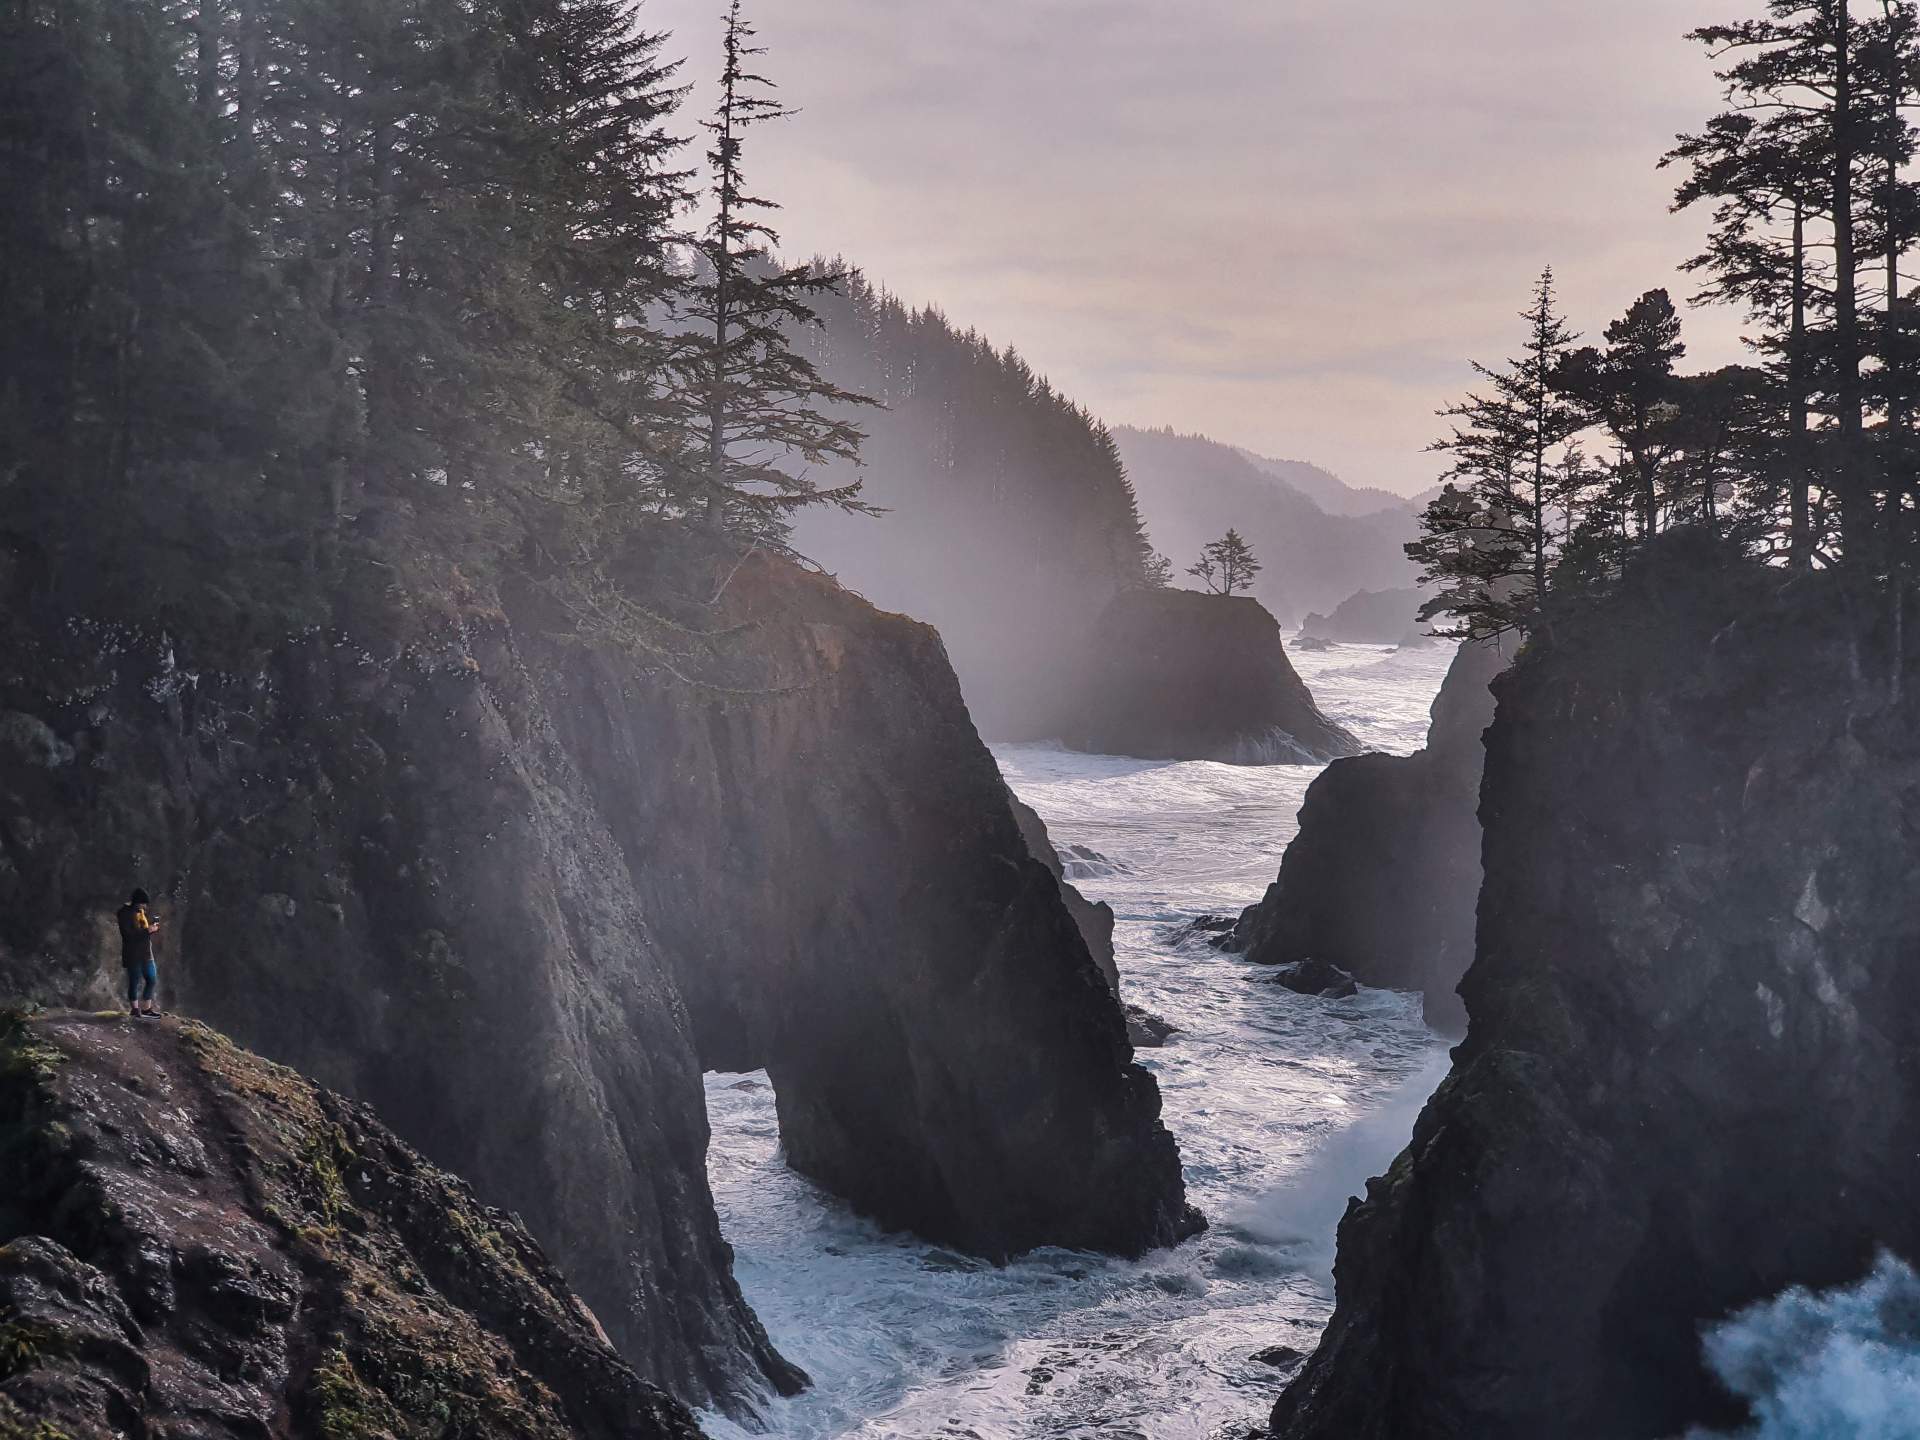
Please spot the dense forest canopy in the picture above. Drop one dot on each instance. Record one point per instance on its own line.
(270, 268)
(1009, 519)
(1570, 457)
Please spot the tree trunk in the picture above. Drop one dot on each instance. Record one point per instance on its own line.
(1891, 347)
(1855, 505)
(1800, 533)
(247, 80)
(716, 515)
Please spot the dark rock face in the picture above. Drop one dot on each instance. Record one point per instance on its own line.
(1369, 617)
(195, 1243)
(1148, 1031)
(1383, 877)
(1079, 862)
(1093, 919)
(517, 866)
(1692, 1074)
(1177, 675)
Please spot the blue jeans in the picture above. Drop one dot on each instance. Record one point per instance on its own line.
(142, 976)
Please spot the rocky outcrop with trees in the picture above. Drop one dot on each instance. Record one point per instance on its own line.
(1009, 519)
(1180, 675)
(1688, 1080)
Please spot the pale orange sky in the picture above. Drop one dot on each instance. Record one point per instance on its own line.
(1287, 224)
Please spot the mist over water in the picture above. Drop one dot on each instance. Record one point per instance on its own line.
(1840, 1364)
(1283, 1105)
(1303, 1213)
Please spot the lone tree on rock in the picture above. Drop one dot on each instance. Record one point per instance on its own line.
(1226, 565)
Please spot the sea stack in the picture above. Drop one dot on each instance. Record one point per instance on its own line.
(1180, 675)
(1689, 1079)
(1384, 874)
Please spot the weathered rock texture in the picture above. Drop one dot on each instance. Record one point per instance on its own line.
(517, 861)
(1178, 675)
(1384, 873)
(196, 1245)
(1692, 1074)
(1094, 919)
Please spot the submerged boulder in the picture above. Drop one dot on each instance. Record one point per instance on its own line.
(1314, 976)
(1689, 1080)
(1178, 675)
(1384, 873)
(194, 1242)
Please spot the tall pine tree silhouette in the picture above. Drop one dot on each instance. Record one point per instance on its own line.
(1487, 540)
(756, 413)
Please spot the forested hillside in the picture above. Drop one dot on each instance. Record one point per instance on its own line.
(264, 265)
(1009, 518)
(1191, 489)
(1328, 490)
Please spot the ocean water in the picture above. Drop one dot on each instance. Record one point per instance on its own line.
(1283, 1106)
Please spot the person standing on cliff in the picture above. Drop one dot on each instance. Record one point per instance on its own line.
(137, 929)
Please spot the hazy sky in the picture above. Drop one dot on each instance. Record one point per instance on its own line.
(1285, 223)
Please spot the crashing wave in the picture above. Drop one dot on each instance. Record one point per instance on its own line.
(1841, 1364)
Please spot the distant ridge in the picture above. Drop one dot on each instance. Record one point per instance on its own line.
(1191, 488)
(1326, 489)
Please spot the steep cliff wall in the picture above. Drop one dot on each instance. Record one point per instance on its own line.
(196, 1243)
(1383, 876)
(1178, 675)
(515, 861)
(1692, 1073)
(1094, 919)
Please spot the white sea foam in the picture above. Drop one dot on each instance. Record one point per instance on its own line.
(1839, 1364)
(903, 1339)
(1303, 1213)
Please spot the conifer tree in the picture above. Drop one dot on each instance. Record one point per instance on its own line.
(1631, 389)
(755, 410)
(1226, 565)
(1489, 543)
(1805, 170)
(327, 249)
(1480, 569)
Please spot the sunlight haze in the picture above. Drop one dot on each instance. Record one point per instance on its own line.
(1285, 225)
